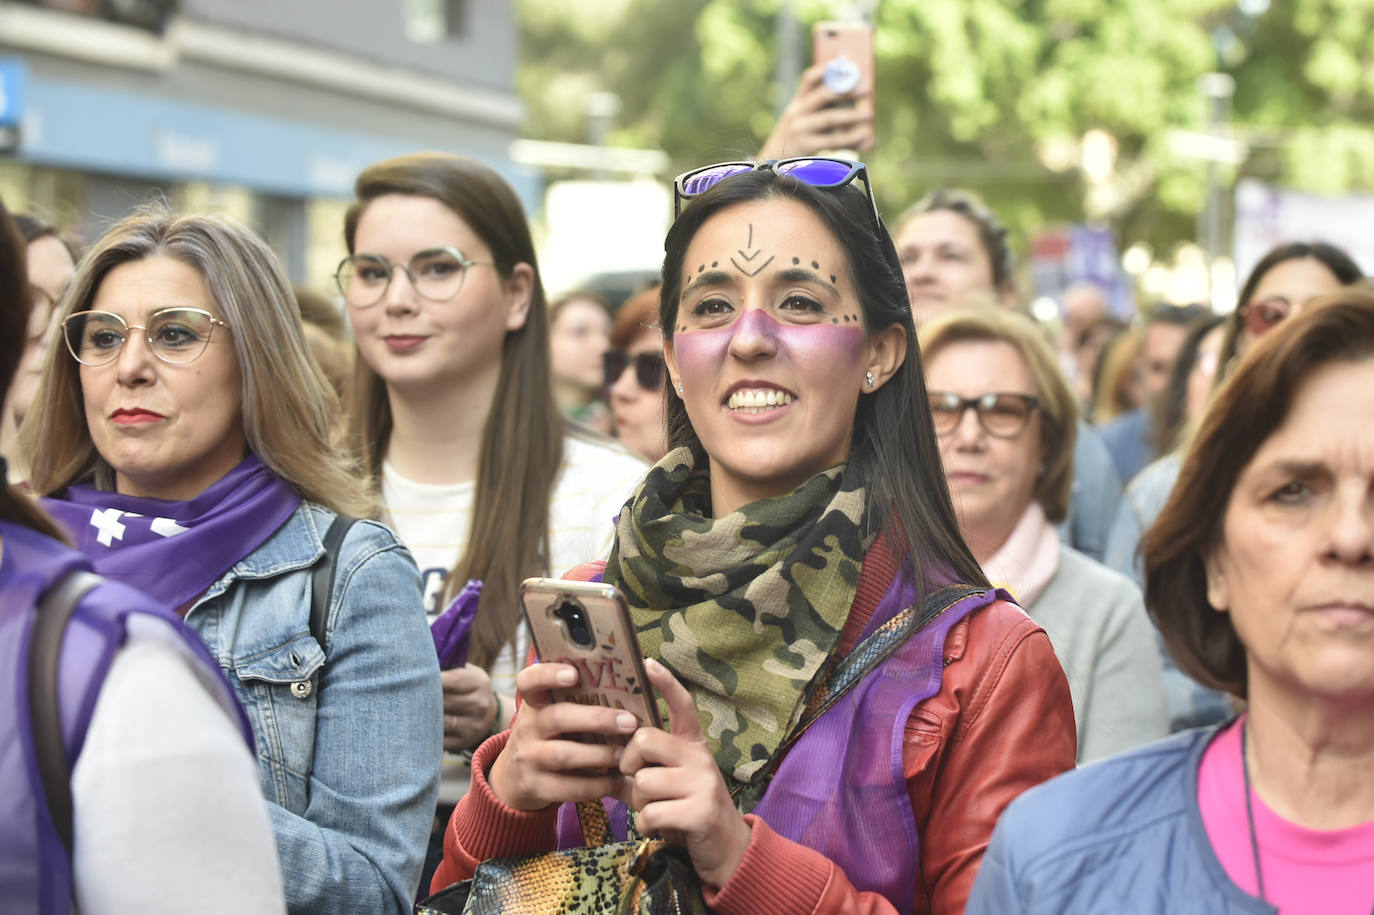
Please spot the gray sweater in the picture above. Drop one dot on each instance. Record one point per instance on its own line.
(1096, 620)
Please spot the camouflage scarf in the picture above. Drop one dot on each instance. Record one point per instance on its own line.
(745, 609)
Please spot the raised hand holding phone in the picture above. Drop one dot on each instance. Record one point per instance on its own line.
(832, 107)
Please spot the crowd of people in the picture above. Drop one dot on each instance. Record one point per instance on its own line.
(810, 438)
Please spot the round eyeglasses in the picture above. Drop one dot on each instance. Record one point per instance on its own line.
(435, 274)
(1000, 415)
(174, 335)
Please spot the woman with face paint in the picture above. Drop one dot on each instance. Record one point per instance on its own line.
(805, 474)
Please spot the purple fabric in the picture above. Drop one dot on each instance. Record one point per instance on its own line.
(841, 789)
(174, 551)
(35, 872)
(452, 630)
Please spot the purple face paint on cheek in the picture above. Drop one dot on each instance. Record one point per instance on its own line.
(817, 345)
(803, 344)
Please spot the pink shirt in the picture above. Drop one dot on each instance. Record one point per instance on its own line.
(1323, 872)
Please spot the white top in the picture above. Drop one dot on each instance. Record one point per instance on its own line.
(434, 521)
(167, 810)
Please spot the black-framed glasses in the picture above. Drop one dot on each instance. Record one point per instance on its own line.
(649, 368)
(1000, 414)
(434, 273)
(816, 171)
(175, 335)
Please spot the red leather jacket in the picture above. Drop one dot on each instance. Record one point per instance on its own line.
(1001, 723)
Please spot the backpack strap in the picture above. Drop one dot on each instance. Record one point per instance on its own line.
(322, 580)
(45, 649)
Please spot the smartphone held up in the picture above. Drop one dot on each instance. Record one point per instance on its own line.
(845, 50)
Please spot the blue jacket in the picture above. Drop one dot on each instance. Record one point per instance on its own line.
(1123, 835)
(1096, 491)
(1191, 704)
(349, 745)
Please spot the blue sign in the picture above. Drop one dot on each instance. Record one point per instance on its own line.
(12, 73)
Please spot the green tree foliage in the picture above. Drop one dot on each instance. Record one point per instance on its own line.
(983, 93)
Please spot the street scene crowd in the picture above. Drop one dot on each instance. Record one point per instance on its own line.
(942, 608)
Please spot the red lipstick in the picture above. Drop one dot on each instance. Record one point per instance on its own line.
(132, 416)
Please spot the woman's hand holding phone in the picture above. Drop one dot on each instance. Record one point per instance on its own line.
(677, 787)
(813, 121)
(544, 762)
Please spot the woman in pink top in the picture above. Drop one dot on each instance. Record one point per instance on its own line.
(1260, 573)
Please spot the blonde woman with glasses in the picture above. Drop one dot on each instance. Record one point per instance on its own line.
(1005, 418)
(186, 446)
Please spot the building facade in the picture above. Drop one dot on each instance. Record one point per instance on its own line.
(264, 109)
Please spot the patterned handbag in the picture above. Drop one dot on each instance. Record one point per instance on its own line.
(641, 876)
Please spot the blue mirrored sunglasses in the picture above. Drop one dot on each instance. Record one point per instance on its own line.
(811, 170)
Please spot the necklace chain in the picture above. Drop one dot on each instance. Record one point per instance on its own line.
(1250, 816)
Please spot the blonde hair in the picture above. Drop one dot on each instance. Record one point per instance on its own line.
(1058, 412)
(289, 407)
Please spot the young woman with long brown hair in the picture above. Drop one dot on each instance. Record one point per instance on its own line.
(455, 415)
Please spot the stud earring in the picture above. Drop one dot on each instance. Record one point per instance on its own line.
(679, 389)
(868, 377)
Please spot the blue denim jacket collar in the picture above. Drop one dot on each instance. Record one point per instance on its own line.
(297, 544)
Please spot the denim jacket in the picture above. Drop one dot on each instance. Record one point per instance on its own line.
(349, 744)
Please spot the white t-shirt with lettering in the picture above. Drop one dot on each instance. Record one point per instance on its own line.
(434, 521)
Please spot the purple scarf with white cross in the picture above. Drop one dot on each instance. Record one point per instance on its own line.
(174, 551)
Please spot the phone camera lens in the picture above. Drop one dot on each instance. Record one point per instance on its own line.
(574, 619)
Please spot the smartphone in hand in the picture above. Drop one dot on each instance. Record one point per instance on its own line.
(587, 625)
(845, 49)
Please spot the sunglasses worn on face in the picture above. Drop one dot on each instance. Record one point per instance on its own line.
(1262, 316)
(434, 273)
(1000, 415)
(648, 368)
(813, 171)
(175, 335)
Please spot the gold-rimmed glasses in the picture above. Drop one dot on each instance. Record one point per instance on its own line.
(175, 335)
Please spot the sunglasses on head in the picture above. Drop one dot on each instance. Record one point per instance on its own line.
(648, 368)
(1263, 316)
(813, 171)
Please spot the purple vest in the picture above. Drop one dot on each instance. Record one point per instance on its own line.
(35, 872)
(841, 789)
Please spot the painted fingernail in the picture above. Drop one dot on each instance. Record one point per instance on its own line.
(626, 722)
(567, 677)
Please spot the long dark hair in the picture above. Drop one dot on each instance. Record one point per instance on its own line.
(894, 446)
(522, 443)
(14, 321)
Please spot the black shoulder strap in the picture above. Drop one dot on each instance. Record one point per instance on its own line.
(45, 712)
(322, 582)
